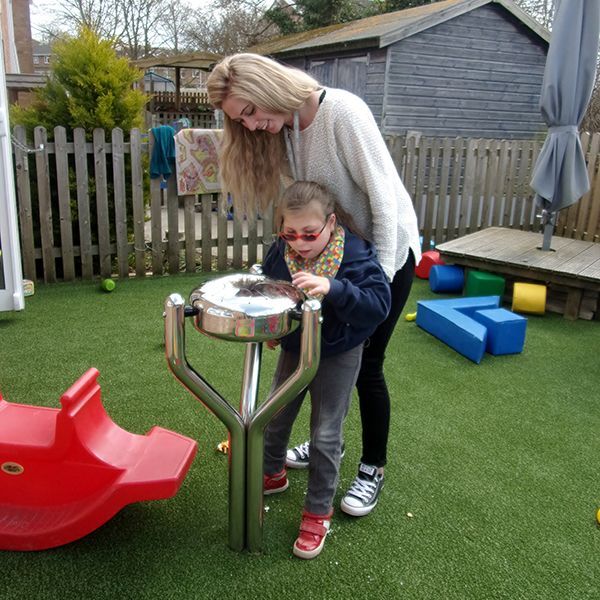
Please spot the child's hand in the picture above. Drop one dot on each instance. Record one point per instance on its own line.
(311, 284)
(272, 344)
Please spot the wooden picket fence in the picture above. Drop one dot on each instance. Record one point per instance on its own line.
(463, 185)
(69, 230)
(85, 211)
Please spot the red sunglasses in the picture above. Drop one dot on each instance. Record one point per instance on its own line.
(305, 237)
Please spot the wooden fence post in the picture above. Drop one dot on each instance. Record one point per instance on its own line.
(458, 167)
(189, 225)
(267, 230)
(64, 203)
(40, 139)
(156, 194)
(83, 203)
(441, 226)
(222, 244)
(500, 198)
(429, 195)
(592, 226)
(488, 196)
(468, 184)
(238, 241)
(137, 200)
(120, 200)
(100, 176)
(252, 240)
(172, 202)
(24, 201)
(583, 206)
(206, 200)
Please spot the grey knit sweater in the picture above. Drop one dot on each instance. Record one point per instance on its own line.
(342, 149)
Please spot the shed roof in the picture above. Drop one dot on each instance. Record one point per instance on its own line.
(383, 30)
(191, 60)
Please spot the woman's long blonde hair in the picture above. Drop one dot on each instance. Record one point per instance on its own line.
(251, 162)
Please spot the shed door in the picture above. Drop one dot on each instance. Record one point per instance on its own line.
(345, 73)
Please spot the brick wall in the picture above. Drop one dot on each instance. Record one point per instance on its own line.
(22, 27)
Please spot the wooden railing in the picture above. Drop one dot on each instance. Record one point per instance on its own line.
(167, 107)
(86, 208)
(197, 120)
(188, 101)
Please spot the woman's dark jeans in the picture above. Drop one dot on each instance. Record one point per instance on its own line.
(372, 389)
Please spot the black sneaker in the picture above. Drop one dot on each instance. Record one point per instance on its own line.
(298, 456)
(362, 496)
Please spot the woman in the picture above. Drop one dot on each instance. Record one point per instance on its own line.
(279, 121)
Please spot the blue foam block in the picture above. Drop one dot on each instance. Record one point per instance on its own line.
(506, 330)
(446, 278)
(451, 322)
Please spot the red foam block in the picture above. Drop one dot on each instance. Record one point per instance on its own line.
(428, 260)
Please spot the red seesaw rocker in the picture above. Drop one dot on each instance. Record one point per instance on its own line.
(63, 473)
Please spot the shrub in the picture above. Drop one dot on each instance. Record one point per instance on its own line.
(89, 87)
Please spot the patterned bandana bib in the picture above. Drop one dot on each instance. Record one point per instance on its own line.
(326, 264)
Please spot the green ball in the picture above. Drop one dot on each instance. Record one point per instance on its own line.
(108, 285)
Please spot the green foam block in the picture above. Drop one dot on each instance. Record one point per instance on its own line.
(480, 283)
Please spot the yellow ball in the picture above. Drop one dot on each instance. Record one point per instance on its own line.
(598, 516)
(411, 316)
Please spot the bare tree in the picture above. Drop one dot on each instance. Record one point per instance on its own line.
(229, 26)
(140, 25)
(173, 23)
(541, 10)
(132, 24)
(100, 16)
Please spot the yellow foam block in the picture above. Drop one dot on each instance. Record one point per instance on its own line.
(529, 298)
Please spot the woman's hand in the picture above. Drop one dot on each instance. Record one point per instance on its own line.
(311, 284)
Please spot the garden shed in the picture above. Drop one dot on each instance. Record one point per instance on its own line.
(470, 68)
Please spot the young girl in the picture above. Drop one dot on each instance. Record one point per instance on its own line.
(326, 260)
(276, 118)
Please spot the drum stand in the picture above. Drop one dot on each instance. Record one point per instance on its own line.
(246, 427)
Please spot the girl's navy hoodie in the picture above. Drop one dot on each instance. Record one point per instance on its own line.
(358, 301)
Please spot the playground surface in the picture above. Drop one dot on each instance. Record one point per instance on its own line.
(492, 482)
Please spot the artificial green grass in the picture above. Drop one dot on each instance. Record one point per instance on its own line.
(491, 488)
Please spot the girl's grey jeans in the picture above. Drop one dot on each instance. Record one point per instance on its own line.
(330, 393)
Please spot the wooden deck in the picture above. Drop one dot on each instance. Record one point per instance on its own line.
(570, 269)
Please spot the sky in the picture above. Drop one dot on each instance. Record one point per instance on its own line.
(42, 13)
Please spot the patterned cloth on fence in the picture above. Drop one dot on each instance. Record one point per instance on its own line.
(197, 161)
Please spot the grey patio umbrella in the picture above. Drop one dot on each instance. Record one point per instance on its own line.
(560, 175)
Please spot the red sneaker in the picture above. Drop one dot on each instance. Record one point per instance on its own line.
(273, 484)
(313, 529)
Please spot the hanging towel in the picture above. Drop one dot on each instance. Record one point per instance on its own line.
(163, 152)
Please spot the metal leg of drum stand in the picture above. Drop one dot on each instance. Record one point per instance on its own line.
(307, 367)
(250, 381)
(175, 353)
(248, 400)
